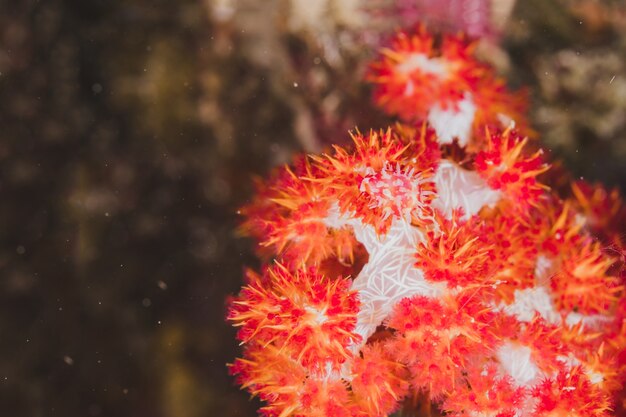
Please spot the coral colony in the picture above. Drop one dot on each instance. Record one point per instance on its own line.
(428, 261)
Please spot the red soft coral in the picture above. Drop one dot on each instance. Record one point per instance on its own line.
(435, 339)
(379, 382)
(486, 393)
(385, 176)
(419, 77)
(308, 314)
(570, 394)
(583, 281)
(506, 167)
(451, 252)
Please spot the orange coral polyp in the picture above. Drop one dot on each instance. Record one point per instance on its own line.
(583, 282)
(413, 76)
(289, 390)
(379, 382)
(273, 376)
(436, 340)
(417, 80)
(304, 312)
(382, 178)
(486, 393)
(453, 255)
(546, 343)
(512, 253)
(288, 218)
(602, 208)
(505, 167)
(571, 394)
(397, 191)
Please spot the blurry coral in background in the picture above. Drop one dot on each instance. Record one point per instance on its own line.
(422, 77)
(130, 132)
(476, 18)
(314, 62)
(572, 52)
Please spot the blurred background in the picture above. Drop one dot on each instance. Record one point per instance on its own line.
(130, 133)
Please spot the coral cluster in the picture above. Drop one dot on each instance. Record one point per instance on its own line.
(418, 79)
(430, 260)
